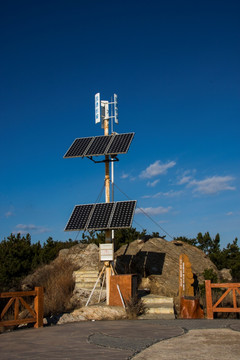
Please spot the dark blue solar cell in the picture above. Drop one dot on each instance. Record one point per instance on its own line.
(100, 217)
(98, 146)
(79, 217)
(78, 147)
(123, 214)
(120, 143)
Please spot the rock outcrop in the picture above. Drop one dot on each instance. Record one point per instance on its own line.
(94, 313)
(84, 256)
(157, 263)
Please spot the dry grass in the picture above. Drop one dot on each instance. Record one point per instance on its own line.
(58, 283)
(58, 288)
(135, 307)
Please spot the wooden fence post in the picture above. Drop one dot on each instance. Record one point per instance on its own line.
(209, 299)
(38, 307)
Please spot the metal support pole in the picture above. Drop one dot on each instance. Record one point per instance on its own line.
(108, 237)
(112, 180)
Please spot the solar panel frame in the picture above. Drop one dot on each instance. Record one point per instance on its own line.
(100, 145)
(95, 216)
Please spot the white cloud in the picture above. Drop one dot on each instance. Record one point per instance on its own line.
(127, 176)
(156, 168)
(230, 213)
(170, 193)
(8, 214)
(212, 185)
(24, 229)
(153, 210)
(153, 183)
(124, 176)
(184, 180)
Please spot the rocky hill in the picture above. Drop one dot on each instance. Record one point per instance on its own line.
(156, 262)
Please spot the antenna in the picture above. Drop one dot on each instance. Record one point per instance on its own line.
(104, 105)
(102, 109)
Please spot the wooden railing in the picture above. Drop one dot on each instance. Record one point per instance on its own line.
(16, 298)
(211, 308)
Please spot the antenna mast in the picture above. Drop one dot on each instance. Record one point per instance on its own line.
(102, 112)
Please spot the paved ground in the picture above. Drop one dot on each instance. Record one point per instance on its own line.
(204, 344)
(104, 340)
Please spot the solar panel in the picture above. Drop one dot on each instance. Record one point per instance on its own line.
(123, 214)
(79, 217)
(100, 145)
(102, 216)
(78, 147)
(120, 144)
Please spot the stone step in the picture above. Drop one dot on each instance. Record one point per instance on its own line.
(157, 299)
(92, 283)
(157, 317)
(80, 285)
(86, 279)
(86, 274)
(160, 309)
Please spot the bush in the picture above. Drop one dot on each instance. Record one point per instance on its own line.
(135, 307)
(18, 258)
(208, 274)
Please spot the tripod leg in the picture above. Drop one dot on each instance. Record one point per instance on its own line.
(104, 277)
(95, 286)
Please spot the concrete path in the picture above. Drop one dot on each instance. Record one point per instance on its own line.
(220, 344)
(104, 340)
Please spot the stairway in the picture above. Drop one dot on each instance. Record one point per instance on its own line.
(158, 307)
(85, 279)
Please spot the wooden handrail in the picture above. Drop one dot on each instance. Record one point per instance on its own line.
(16, 298)
(17, 293)
(211, 308)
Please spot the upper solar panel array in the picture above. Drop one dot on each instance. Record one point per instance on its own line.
(100, 145)
(103, 216)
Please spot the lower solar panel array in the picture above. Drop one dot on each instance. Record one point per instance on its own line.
(103, 216)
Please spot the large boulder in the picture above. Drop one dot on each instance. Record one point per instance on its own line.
(157, 263)
(97, 312)
(84, 256)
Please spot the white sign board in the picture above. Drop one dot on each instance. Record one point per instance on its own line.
(97, 108)
(106, 252)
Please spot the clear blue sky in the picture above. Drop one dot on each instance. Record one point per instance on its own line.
(175, 68)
